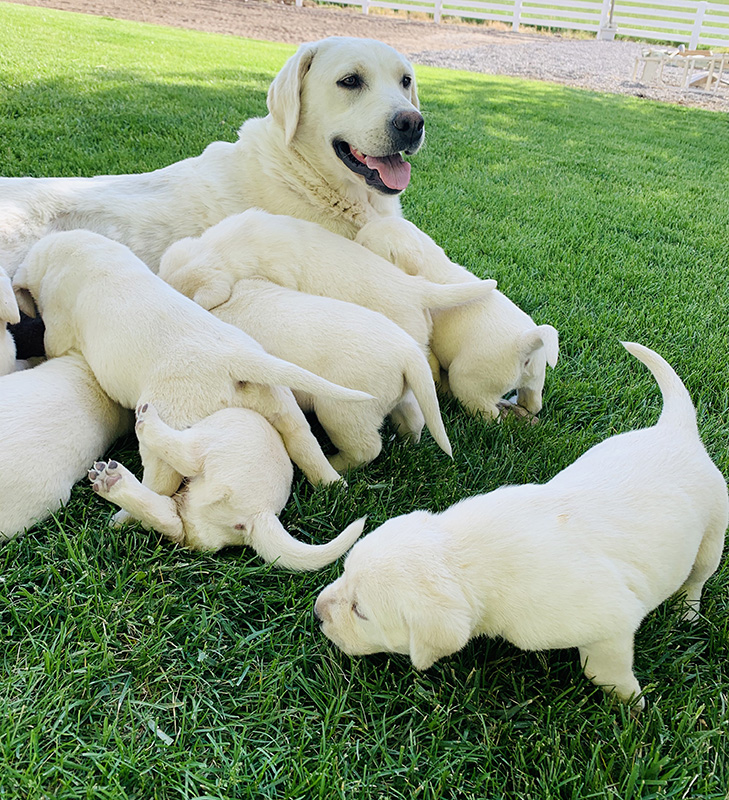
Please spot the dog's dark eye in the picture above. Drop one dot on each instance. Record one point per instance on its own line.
(357, 612)
(350, 82)
(406, 81)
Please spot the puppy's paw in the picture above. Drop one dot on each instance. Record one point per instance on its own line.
(104, 476)
(121, 518)
(144, 412)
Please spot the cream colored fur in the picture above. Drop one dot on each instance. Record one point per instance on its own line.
(238, 479)
(304, 256)
(351, 346)
(54, 420)
(145, 342)
(284, 162)
(9, 313)
(486, 348)
(576, 562)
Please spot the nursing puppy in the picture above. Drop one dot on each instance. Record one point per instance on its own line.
(146, 343)
(576, 562)
(487, 348)
(237, 480)
(308, 258)
(9, 313)
(341, 112)
(54, 420)
(351, 346)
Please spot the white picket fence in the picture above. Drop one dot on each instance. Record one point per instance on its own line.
(689, 22)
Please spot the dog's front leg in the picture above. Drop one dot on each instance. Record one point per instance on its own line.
(118, 485)
(609, 664)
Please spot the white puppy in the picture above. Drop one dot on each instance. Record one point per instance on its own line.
(304, 256)
(9, 313)
(54, 420)
(145, 342)
(238, 479)
(486, 348)
(351, 346)
(576, 562)
(342, 110)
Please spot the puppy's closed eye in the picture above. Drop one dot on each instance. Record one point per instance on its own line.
(357, 612)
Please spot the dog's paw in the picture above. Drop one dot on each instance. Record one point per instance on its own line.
(104, 475)
(144, 412)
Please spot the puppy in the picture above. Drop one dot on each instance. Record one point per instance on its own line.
(9, 313)
(576, 562)
(146, 343)
(237, 480)
(351, 346)
(304, 256)
(486, 348)
(54, 420)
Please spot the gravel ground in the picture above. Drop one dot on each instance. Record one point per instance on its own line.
(583, 63)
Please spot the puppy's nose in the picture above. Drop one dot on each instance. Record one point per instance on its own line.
(409, 125)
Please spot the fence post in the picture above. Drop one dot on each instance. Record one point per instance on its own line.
(437, 10)
(607, 29)
(517, 15)
(299, 3)
(698, 22)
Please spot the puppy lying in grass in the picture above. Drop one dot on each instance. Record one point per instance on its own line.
(304, 256)
(54, 420)
(576, 562)
(146, 343)
(238, 479)
(9, 313)
(486, 348)
(349, 345)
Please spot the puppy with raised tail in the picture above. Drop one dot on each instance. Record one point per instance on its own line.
(349, 345)
(576, 562)
(305, 256)
(146, 343)
(54, 420)
(238, 479)
(486, 349)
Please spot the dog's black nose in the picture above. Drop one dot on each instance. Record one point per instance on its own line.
(409, 126)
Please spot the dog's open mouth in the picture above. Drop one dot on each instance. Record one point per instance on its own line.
(388, 174)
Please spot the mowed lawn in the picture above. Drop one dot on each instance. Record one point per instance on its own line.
(134, 669)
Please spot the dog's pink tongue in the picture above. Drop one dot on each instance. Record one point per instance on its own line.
(394, 170)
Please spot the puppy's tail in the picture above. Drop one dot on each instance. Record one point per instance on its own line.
(439, 295)
(420, 379)
(678, 410)
(268, 537)
(267, 369)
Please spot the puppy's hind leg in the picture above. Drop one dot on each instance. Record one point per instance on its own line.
(706, 563)
(176, 448)
(355, 432)
(408, 418)
(609, 664)
(117, 484)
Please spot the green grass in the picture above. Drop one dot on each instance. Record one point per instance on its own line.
(133, 669)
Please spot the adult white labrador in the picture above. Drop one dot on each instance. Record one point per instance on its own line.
(576, 562)
(341, 113)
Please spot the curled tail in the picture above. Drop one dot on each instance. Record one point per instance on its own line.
(439, 295)
(420, 379)
(268, 537)
(678, 409)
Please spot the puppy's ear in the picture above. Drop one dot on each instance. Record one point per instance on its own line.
(441, 626)
(542, 336)
(284, 94)
(22, 294)
(174, 258)
(215, 291)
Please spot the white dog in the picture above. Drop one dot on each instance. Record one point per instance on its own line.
(576, 562)
(304, 256)
(341, 113)
(145, 342)
(54, 420)
(487, 348)
(9, 313)
(238, 479)
(351, 346)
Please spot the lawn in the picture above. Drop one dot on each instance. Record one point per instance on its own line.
(134, 669)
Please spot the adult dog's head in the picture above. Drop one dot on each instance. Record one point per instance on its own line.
(350, 105)
(399, 593)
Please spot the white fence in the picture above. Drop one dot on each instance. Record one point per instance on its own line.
(690, 22)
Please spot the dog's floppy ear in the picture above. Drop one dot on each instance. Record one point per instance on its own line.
(24, 298)
(542, 336)
(284, 93)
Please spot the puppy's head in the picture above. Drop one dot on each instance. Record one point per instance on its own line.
(399, 593)
(537, 347)
(352, 104)
(184, 268)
